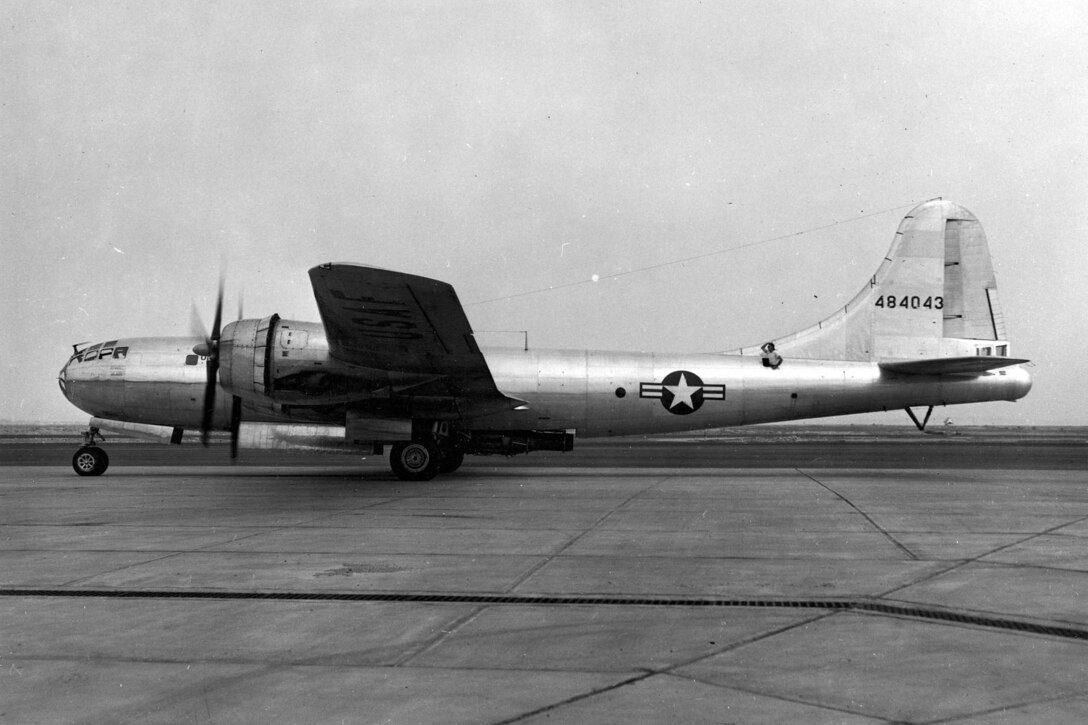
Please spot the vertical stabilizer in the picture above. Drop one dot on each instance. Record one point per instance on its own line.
(933, 296)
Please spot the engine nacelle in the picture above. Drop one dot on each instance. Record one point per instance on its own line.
(288, 362)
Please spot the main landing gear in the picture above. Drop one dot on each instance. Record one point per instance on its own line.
(438, 448)
(423, 460)
(435, 449)
(90, 460)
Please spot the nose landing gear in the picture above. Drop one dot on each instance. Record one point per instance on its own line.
(90, 460)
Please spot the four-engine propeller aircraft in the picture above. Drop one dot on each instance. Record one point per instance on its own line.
(394, 361)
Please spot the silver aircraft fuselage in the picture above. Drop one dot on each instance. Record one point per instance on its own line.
(160, 381)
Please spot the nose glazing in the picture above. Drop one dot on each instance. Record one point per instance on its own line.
(62, 378)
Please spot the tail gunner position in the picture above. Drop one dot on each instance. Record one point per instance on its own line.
(394, 362)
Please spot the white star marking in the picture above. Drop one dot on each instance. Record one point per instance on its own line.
(682, 392)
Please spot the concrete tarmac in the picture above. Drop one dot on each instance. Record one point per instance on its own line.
(546, 589)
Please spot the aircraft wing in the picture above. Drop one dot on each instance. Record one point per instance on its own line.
(403, 323)
(950, 365)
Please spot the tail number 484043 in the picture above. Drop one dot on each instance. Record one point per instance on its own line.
(909, 302)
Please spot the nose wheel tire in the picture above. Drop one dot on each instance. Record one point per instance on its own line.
(90, 461)
(414, 461)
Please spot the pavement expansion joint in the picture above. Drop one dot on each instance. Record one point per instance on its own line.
(856, 605)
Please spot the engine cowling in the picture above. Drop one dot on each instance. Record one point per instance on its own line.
(245, 352)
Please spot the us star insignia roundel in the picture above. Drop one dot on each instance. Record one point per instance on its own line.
(681, 392)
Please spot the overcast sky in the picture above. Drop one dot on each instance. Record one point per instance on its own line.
(511, 147)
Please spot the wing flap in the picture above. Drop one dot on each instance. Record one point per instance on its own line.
(973, 365)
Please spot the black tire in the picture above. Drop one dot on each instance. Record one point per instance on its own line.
(451, 461)
(90, 461)
(414, 461)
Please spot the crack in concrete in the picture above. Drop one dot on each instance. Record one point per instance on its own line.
(575, 539)
(902, 547)
(974, 559)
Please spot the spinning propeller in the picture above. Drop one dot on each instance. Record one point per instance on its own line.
(209, 349)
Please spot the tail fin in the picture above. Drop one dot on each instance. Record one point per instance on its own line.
(934, 296)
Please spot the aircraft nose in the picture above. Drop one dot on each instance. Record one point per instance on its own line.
(62, 378)
(67, 375)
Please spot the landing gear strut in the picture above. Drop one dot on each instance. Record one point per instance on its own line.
(90, 460)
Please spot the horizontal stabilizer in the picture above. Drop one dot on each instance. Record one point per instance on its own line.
(950, 365)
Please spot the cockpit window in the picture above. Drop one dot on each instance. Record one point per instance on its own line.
(100, 351)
